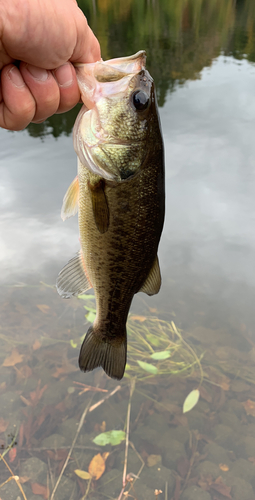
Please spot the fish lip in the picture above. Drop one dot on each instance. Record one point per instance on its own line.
(118, 60)
(90, 87)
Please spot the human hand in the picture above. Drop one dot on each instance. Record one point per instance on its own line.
(45, 37)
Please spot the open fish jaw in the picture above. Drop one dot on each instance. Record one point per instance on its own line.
(90, 76)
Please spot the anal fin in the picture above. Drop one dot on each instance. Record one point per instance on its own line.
(100, 206)
(70, 201)
(152, 283)
(72, 279)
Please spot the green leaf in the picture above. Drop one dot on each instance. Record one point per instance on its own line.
(110, 437)
(90, 316)
(86, 297)
(148, 367)
(73, 344)
(153, 339)
(161, 355)
(92, 309)
(191, 400)
(82, 473)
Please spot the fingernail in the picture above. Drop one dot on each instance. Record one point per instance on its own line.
(16, 77)
(37, 73)
(64, 75)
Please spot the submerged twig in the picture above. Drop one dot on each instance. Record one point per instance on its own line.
(87, 409)
(16, 478)
(87, 490)
(132, 387)
(72, 446)
(105, 398)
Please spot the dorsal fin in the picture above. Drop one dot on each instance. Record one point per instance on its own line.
(72, 279)
(152, 283)
(70, 201)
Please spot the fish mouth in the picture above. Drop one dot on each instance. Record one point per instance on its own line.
(96, 79)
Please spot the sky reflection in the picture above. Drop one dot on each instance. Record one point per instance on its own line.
(210, 150)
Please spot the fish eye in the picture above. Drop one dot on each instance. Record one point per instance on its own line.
(140, 100)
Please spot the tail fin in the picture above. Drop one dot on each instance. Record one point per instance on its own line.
(109, 353)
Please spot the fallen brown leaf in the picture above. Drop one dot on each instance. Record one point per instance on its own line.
(103, 426)
(249, 407)
(43, 308)
(224, 467)
(97, 466)
(39, 489)
(12, 454)
(14, 358)
(36, 345)
(153, 460)
(36, 395)
(65, 369)
(3, 425)
(139, 318)
(221, 487)
(23, 372)
(23, 479)
(58, 454)
(25, 400)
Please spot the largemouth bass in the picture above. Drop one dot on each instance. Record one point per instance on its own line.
(120, 198)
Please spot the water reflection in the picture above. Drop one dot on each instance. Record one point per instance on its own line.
(180, 37)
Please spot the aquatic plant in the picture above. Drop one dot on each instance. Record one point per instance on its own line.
(155, 347)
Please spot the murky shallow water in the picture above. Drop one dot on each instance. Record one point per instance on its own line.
(207, 262)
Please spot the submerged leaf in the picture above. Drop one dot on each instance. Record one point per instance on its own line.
(153, 460)
(110, 437)
(44, 308)
(139, 318)
(3, 425)
(14, 358)
(90, 316)
(97, 466)
(249, 407)
(86, 297)
(36, 345)
(191, 400)
(148, 367)
(73, 344)
(82, 474)
(12, 454)
(39, 489)
(153, 339)
(92, 309)
(161, 355)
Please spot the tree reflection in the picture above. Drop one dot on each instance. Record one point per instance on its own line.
(181, 37)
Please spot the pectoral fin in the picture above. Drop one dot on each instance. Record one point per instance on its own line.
(100, 206)
(72, 279)
(153, 281)
(70, 201)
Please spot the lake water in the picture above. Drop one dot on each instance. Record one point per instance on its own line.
(201, 55)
